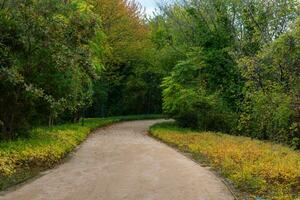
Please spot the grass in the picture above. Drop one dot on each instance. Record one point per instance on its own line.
(260, 169)
(46, 147)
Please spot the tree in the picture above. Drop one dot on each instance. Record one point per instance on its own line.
(271, 104)
(235, 62)
(130, 82)
(206, 27)
(47, 63)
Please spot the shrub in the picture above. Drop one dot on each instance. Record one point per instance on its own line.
(261, 169)
(267, 115)
(187, 99)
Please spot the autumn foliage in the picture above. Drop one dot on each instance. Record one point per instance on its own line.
(261, 169)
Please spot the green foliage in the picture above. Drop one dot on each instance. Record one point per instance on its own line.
(271, 104)
(129, 83)
(203, 88)
(60, 60)
(48, 61)
(258, 23)
(214, 65)
(266, 115)
(186, 99)
(236, 66)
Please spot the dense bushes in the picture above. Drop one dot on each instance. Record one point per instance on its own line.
(186, 99)
(260, 169)
(130, 82)
(267, 115)
(237, 68)
(60, 60)
(270, 109)
(47, 61)
(222, 65)
(203, 88)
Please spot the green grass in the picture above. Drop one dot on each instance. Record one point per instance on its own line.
(258, 169)
(47, 146)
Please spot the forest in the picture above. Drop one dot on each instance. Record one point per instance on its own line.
(230, 66)
(227, 71)
(63, 60)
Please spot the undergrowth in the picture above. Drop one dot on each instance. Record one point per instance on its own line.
(263, 170)
(47, 146)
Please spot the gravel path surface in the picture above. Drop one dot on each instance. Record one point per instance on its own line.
(121, 162)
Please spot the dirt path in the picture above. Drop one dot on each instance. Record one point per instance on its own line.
(121, 162)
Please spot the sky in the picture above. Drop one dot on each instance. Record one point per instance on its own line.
(150, 5)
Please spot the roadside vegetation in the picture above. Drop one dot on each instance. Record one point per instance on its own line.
(63, 60)
(230, 66)
(212, 65)
(258, 169)
(237, 67)
(44, 147)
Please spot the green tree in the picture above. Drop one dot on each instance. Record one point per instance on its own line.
(210, 41)
(47, 62)
(271, 104)
(130, 82)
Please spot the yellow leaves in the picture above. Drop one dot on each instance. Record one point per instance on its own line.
(61, 18)
(83, 6)
(6, 166)
(262, 169)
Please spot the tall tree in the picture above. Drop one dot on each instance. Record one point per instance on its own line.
(129, 83)
(46, 64)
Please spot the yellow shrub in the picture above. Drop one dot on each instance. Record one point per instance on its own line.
(259, 168)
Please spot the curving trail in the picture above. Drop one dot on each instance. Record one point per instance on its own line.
(121, 162)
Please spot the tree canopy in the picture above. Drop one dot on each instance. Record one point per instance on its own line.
(229, 66)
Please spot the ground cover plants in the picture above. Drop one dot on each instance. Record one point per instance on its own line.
(45, 147)
(261, 169)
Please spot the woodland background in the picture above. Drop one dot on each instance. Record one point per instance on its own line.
(230, 66)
